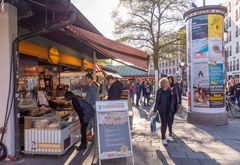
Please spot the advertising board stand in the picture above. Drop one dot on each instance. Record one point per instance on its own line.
(205, 48)
(113, 130)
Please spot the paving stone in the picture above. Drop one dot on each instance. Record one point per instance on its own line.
(195, 155)
(215, 156)
(177, 161)
(208, 162)
(190, 162)
(178, 155)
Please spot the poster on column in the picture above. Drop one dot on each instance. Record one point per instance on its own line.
(216, 98)
(189, 40)
(216, 50)
(200, 84)
(215, 26)
(200, 27)
(114, 136)
(200, 50)
(216, 75)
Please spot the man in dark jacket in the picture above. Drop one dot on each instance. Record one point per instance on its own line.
(85, 113)
(115, 88)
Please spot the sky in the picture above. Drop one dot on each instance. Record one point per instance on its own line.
(98, 12)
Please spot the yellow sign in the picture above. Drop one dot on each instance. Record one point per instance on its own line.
(215, 25)
(43, 145)
(54, 55)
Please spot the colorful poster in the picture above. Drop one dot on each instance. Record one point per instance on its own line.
(114, 136)
(189, 40)
(200, 27)
(216, 50)
(215, 25)
(200, 50)
(200, 86)
(216, 97)
(216, 74)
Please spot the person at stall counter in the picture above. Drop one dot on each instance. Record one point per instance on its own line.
(91, 90)
(115, 88)
(85, 113)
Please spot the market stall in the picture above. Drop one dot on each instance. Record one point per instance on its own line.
(48, 123)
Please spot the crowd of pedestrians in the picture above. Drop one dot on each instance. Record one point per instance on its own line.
(140, 91)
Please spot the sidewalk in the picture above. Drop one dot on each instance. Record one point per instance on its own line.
(192, 144)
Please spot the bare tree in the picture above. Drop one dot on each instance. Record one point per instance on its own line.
(151, 24)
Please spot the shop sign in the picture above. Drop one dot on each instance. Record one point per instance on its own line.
(114, 136)
(45, 145)
(53, 55)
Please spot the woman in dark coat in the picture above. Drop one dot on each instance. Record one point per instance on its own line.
(175, 103)
(163, 106)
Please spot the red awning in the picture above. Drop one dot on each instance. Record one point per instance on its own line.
(112, 49)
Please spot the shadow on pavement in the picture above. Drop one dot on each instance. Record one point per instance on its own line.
(181, 154)
(72, 157)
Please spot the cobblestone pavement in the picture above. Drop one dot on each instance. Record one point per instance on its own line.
(191, 145)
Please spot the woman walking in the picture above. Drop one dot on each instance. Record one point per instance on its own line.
(176, 101)
(163, 106)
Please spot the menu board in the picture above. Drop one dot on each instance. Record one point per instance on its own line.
(114, 136)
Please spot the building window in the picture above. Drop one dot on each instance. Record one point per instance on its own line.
(226, 53)
(231, 66)
(230, 36)
(236, 15)
(234, 65)
(230, 52)
(229, 6)
(237, 47)
(227, 66)
(229, 22)
(237, 64)
(236, 2)
(236, 31)
(174, 70)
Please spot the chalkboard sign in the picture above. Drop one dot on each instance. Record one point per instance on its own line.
(114, 136)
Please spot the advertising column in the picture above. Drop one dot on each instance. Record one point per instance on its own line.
(206, 65)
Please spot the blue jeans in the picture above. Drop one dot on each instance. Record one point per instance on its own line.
(238, 100)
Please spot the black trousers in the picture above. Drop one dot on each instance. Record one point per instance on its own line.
(164, 122)
(84, 133)
(83, 129)
(171, 118)
(138, 98)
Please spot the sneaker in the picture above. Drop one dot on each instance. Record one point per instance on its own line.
(164, 142)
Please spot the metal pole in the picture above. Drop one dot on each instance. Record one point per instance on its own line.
(204, 2)
(94, 63)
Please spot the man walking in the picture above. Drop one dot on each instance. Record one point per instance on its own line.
(138, 92)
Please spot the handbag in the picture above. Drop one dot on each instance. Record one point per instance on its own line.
(158, 118)
(180, 109)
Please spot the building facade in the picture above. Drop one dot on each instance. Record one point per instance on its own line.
(176, 66)
(232, 38)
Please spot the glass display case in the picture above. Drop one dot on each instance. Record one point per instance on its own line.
(51, 134)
